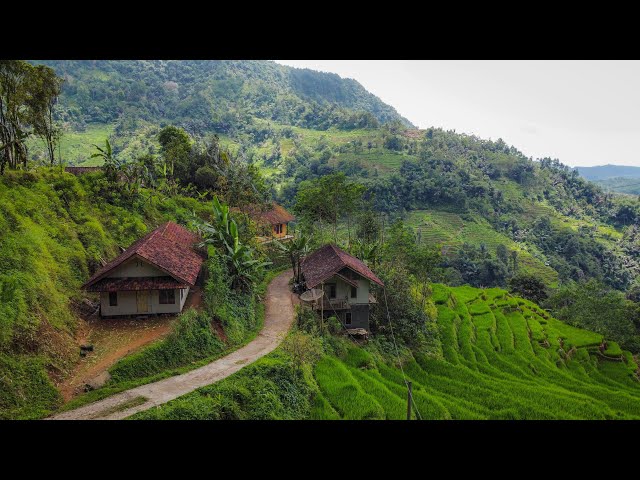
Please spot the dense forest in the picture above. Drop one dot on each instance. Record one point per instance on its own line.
(223, 96)
(435, 213)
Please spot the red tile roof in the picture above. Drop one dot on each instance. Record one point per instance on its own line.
(136, 283)
(169, 248)
(273, 216)
(327, 261)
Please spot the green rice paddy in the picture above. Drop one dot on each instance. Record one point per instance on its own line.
(502, 358)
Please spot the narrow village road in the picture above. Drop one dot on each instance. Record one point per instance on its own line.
(279, 315)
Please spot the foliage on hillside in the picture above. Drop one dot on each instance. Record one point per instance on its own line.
(561, 226)
(630, 186)
(56, 229)
(222, 96)
(278, 118)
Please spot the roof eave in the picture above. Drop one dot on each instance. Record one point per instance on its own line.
(137, 255)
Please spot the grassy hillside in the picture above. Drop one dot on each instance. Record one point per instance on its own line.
(451, 230)
(55, 229)
(502, 358)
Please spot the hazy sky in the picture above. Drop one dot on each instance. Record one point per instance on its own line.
(581, 112)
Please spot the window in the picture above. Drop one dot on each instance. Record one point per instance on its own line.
(354, 292)
(347, 318)
(332, 290)
(113, 299)
(167, 297)
(278, 228)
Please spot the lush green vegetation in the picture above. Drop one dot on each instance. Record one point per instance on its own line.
(424, 208)
(502, 358)
(205, 95)
(55, 229)
(630, 186)
(291, 124)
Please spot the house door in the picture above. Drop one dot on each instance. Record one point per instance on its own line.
(142, 301)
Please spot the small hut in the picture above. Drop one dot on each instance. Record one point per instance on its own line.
(273, 221)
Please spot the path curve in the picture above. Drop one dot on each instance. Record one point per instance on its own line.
(279, 314)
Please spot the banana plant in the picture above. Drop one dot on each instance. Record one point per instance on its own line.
(368, 253)
(223, 234)
(112, 166)
(244, 267)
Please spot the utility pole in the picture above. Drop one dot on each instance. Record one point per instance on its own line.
(322, 307)
(409, 400)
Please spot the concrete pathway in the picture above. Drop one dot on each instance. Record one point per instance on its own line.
(279, 314)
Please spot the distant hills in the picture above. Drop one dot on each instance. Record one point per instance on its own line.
(616, 178)
(603, 172)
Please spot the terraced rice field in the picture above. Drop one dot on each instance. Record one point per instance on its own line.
(503, 358)
(451, 230)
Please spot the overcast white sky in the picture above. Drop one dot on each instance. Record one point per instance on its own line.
(581, 112)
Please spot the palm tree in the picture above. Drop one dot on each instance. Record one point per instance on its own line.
(296, 249)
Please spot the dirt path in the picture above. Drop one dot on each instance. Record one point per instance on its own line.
(112, 339)
(279, 316)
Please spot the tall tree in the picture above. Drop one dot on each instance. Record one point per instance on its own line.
(329, 199)
(27, 98)
(46, 87)
(13, 112)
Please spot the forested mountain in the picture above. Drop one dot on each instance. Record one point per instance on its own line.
(223, 96)
(603, 172)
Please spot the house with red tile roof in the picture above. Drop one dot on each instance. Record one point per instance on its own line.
(152, 276)
(346, 283)
(273, 221)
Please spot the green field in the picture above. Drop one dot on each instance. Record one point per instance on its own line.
(77, 147)
(503, 358)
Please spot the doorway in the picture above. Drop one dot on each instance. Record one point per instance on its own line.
(142, 301)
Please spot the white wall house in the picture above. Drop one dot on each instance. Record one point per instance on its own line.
(346, 282)
(153, 276)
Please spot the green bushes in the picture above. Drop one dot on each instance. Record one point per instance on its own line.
(238, 312)
(192, 339)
